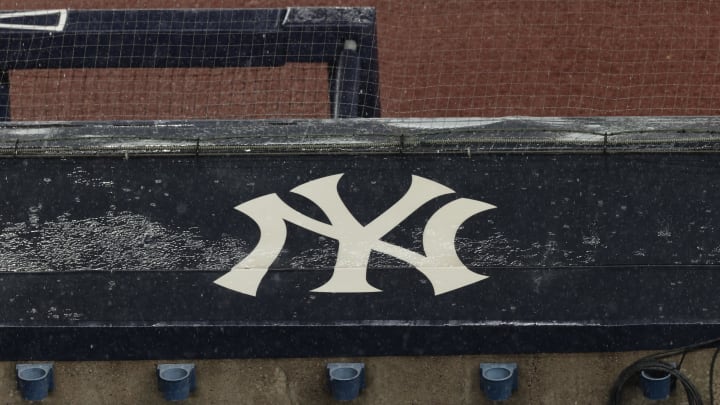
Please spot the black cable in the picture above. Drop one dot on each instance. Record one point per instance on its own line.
(693, 395)
(682, 358)
(712, 374)
(674, 352)
(653, 362)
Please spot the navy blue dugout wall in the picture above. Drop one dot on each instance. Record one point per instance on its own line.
(602, 236)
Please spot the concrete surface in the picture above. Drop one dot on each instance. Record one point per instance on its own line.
(544, 379)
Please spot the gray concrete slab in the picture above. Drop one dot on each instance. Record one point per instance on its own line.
(544, 379)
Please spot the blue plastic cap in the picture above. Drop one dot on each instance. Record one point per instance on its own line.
(656, 384)
(176, 381)
(346, 380)
(35, 381)
(499, 380)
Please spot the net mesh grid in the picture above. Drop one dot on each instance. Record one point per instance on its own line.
(437, 60)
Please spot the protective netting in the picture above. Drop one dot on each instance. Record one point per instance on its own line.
(436, 59)
(169, 93)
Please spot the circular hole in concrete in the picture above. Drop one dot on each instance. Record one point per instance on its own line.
(32, 374)
(497, 374)
(344, 373)
(174, 374)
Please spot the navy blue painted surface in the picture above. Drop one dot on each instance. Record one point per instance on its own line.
(198, 38)
(114, 258)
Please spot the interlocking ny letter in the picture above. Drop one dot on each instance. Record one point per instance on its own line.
(440, 264)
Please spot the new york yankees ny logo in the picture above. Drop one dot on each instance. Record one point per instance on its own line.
(440, 264)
